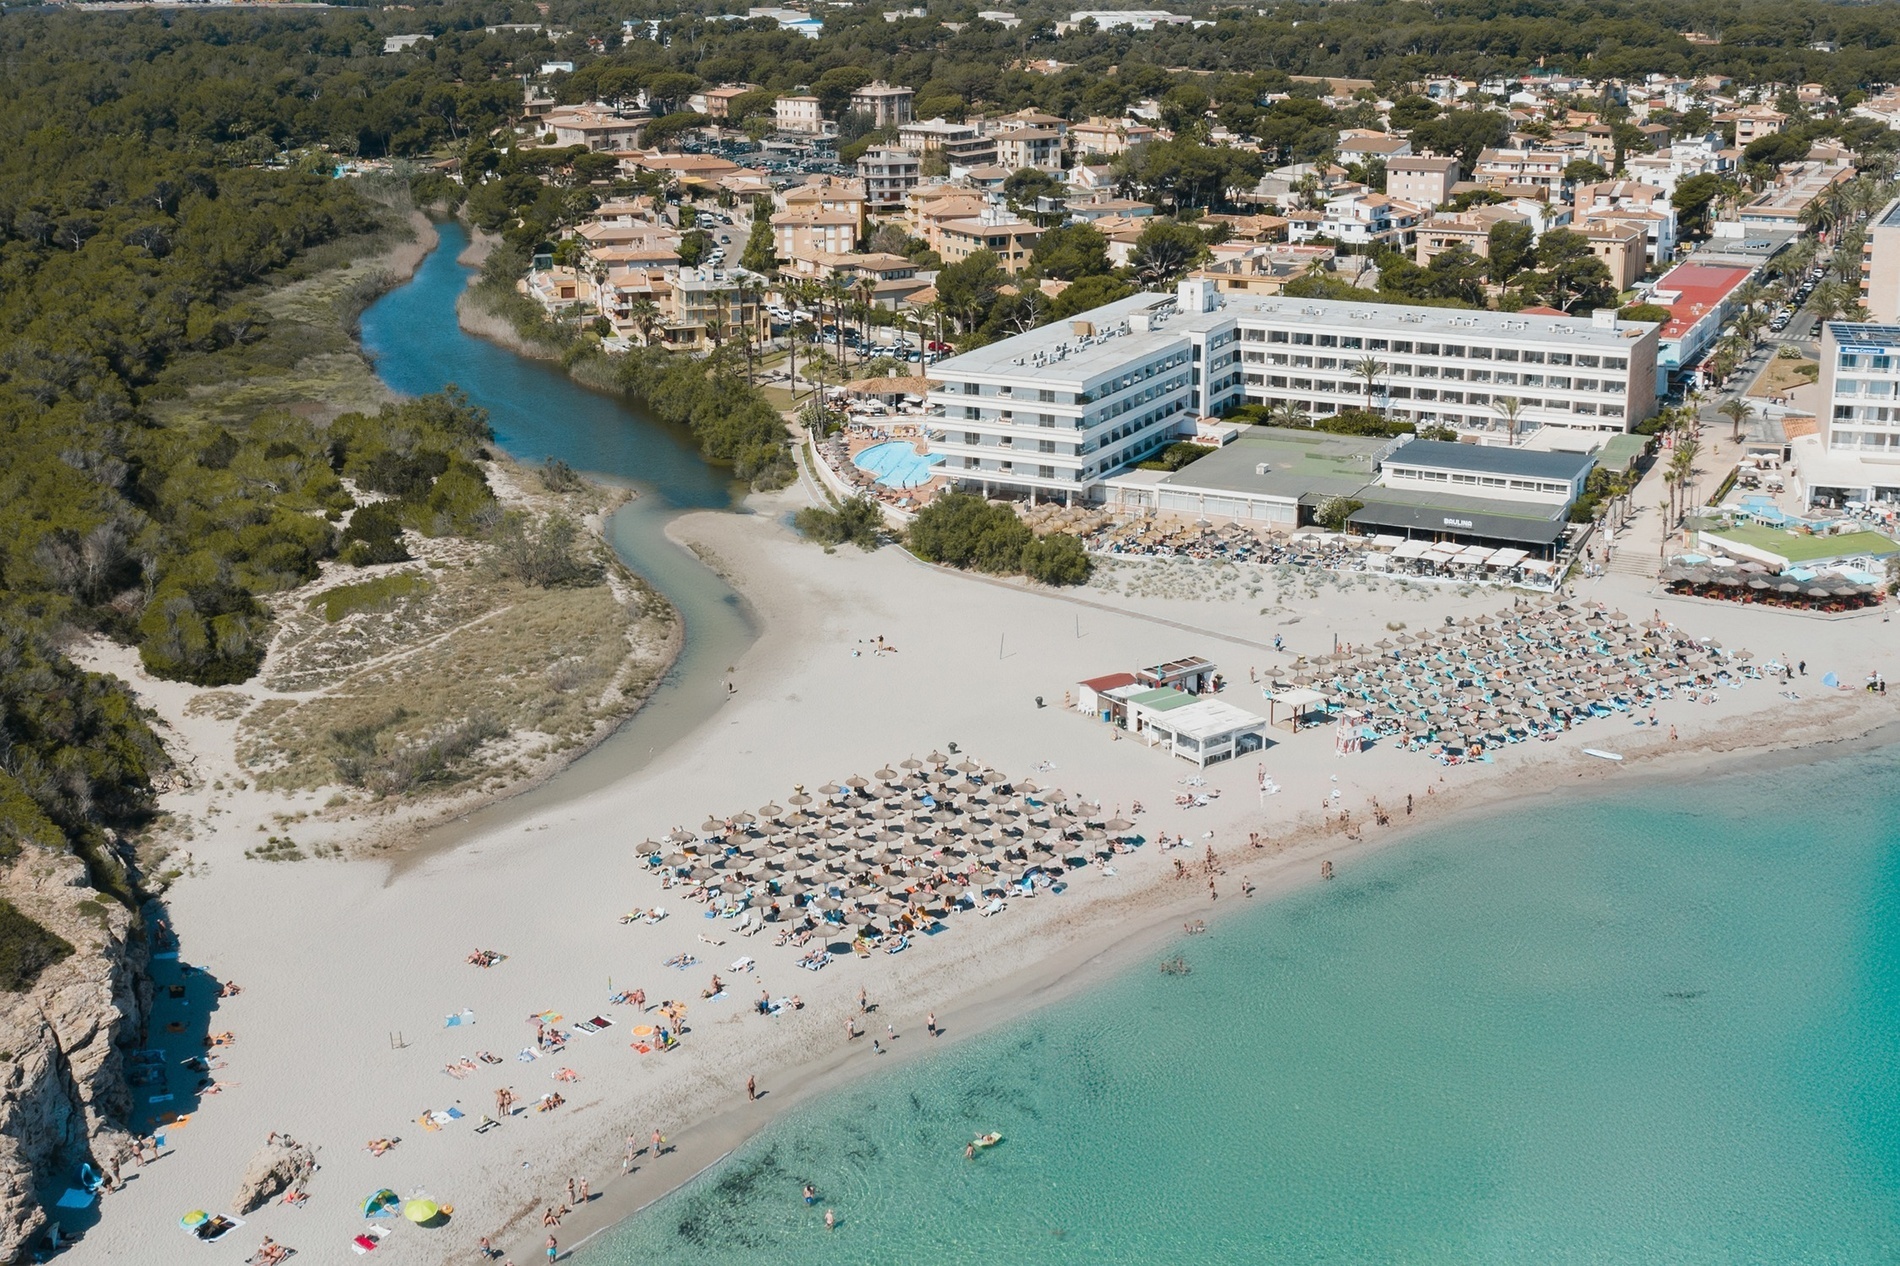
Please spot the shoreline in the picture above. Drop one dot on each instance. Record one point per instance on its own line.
(1072, 969)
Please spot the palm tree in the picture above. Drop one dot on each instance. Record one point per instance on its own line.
(1369, 370)
(866, 288)
(837, 288)
(1511, 409)
(1737, 411)
(1286, 413)
(645, 315)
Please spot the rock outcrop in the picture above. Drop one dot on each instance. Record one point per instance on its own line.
(279, 1165)
(63, 1086)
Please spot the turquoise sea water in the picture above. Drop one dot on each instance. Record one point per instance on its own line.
(1662, 1029)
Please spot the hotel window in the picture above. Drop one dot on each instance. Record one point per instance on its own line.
(972, 413)
(1616, 362)
(1480, 353)
(1402, 347)
(971, 437)
(1533, 358)
(1560, 358)
(1849, 360)
(1302, 339)
(1045, 419)
(1507, 353)
(1046, 446)
(1453, 349)
(1254, 336)
(1329, 340)
(1428, 349)
(972, 463)
(1277, 336)
(1586, 362)
(1045, 472)
(1375, 345)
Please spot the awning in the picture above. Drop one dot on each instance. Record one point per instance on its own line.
(1508, 558)
(1411, 549)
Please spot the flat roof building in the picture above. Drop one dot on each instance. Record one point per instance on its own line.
(1062, 408)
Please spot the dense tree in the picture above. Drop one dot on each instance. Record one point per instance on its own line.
(1461, 134)
(1071, 253)
(1508, 248)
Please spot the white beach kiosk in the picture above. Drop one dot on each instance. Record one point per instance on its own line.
(1195, 727)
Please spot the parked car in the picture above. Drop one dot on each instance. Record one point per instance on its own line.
(935, 346)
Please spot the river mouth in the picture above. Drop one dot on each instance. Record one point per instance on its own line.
(538, 412)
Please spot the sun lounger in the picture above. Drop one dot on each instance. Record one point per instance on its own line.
(710, 940)
(744, 964)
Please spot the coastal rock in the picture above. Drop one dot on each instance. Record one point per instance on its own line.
(62, 1066)
(279, 1165)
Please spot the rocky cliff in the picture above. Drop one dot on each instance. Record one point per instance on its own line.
(63, 1040)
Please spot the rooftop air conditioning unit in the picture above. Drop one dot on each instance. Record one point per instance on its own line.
(1263, 468)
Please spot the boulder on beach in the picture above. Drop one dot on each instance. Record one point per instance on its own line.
(279, 1166)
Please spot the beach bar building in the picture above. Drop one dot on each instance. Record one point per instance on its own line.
(1105, 697)
(1193, 674)
(1201, 730)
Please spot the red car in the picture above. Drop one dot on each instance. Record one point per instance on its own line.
(938, 347)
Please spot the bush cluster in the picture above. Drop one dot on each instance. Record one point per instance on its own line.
(960, 529)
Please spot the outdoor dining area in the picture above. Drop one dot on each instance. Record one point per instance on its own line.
(876, 860)
(1530, 672)
(1755, 583)
(1145, 537)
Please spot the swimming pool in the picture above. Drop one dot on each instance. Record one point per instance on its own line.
(896, 463)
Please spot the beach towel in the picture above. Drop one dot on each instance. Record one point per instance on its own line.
(586, 1026)
(74, 1198)
(528, 1055)
(601, 1022)
(457, 1020)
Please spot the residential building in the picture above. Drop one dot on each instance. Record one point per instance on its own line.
(1631, 202)
(1134, 19)
(1109, 137)
(889, 175)
(1880, 265)
(1001, 232)
(1470, 229)
(1369, 147)
(1089, 210)
(1036, 147)
(931, 208)
(1796, 187)
(1752, 123)
(1423, 181)
(1619, 244)
(1526, 167)
(595, 128)
(1002, 17)
(402, 43)
(961, 144)
(800, 113)
(1358, 219)
(717, 102)
(826, 193)
(888, 105)
(1060, 409)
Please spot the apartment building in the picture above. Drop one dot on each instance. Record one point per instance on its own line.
(1001, 232)
(887, 104)
(801, 114)
(596, 129)
(1037, 147)
(1109, 137)
(1632, 202)
(1856, 454)
(889, 175)
(1797, 186)
(1370, 147)
(1880, 265)
(1359, 219)
(717, 102)
(1059, 409)
(1620, 245)
(1535, 168)
(961, 144)
(1753, 122)
(1423, 181)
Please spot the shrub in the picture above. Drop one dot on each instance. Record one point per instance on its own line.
(961, 529)
(374, 537)
(558, 476)
(1177, 455)
(1057, 559)
(1644, 312)
(858, 522)
(541, 554)
(379, 594)
(1336, 512)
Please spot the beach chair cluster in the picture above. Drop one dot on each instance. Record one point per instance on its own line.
(886, 859)
(1463, 691)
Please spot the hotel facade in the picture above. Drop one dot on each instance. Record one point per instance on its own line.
(1057, 410)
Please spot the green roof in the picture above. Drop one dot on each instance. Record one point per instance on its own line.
(1163, 700)
(1620, 450)
(1799, 548)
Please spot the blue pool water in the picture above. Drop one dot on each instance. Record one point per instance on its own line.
(1658, 1029)
(896, 463)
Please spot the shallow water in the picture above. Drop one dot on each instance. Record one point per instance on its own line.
(1664, 1029)
(538, 412)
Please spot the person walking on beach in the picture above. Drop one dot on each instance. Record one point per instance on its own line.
(864, 1004)
(580, 1186)
(1246, 886)
(554, 1248)
(1212, 895)
(751, 1090)
(626, 1160)
(659, 1144)
(831, 1220)
(930, 1023)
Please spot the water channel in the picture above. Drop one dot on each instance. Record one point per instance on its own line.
(538, 412)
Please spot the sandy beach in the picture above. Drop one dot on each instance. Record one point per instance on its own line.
(350, 968)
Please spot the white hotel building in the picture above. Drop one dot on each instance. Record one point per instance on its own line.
(1057, 410)
(1856, 454)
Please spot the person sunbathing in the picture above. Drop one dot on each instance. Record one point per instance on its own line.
(566, 1074)
(378, 1146)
